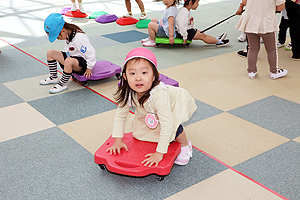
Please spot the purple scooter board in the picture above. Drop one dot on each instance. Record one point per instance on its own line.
(101, 70)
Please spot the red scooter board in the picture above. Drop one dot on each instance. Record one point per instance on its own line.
(129, 162)
(102, 69)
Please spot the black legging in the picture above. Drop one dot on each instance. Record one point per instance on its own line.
(293, 12)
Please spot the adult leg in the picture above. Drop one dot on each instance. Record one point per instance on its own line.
(284, 25)
(254, 46)
(293, 12)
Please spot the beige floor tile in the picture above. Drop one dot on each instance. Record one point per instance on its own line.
(225, 94)
(297, 139)
(21, 119)
(224, 186)
(105, 87)
(230, 139)
(92, 132)
(29, 89)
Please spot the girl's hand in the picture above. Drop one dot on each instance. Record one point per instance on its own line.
(171, 40)
(153, 158)
(117, 146)
(88, 73)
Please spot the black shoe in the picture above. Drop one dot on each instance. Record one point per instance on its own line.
(222, 36)
(296, 58)
(224, 43)
(242, 53)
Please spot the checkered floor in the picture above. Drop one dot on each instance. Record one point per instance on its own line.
(246, 133)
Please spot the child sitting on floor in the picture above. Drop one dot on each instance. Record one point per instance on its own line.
(185, 23)
(79, 56)
(164, 27)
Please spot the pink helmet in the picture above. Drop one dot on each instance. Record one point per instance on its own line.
(141, 52)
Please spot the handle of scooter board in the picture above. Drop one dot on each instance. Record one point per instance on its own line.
(216, 24)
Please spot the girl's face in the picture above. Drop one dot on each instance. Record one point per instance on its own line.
(139, 75)
(195, 5)
(62, 35)
(168, 3)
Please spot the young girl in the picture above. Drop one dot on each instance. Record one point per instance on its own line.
(79, 56)
(74, 7)
(159, 109)
(259, 20)
(141, 6)
(185, 23)
(164, 27)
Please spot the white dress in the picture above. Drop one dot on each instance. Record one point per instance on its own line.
(259, 17)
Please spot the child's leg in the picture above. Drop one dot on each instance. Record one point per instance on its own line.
(186, 147)
(52, 57)
(182, 139)
(205, 38)
(152, 30)
(128, 6)
(254, 46)
(141, 5)
(270, 45)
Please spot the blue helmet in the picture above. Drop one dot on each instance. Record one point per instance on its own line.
(53, 25)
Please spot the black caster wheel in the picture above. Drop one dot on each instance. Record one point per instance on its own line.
(102, 166)
(74, 79)
(161, 178)
(157, 45)
(186, 45)
(118, 75)
(84, 83)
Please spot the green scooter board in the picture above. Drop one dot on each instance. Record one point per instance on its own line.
(159, 40)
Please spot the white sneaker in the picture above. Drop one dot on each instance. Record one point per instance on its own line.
(252, 75)
(149, 44)
(127, 15)
(74, 8)
(58, 88)
(143, 16)
(145, 40)
(242, 37)
(185, 155)
(279, 74)
(81, 9)
(279, 45)
(49, 80)
(224, 43)
(288, 47)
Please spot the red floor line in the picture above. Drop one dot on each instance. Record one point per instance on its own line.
(23, 51)
(193, 146)
(61, 73)
(240, 173)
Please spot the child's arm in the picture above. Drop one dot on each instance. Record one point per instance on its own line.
(240, 9)
(118, 130)
(171, 29)
(280, 7)
(161, 103)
